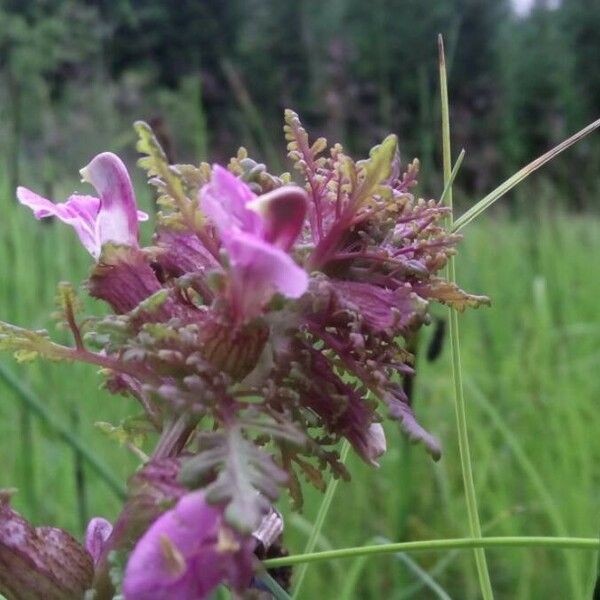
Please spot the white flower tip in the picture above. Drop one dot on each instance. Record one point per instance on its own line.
(85, 174)
(377, 444)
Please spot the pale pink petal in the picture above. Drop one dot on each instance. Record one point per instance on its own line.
(118, 217)
(224, 201)
(78, 211)
(259, 270)
(111, 218)
(283, 211)
(375, 443)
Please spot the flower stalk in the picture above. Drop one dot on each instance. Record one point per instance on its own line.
(554, 543)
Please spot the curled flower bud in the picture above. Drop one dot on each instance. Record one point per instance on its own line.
(97, 533)
(375, 444)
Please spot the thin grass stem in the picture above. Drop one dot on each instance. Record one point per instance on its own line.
(319, 521)
(519, 176)
(530, 472)
(459, 399)
(276, 590)
(448, 186)
(557, 543)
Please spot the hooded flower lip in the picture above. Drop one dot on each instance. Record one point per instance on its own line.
(113, 217)
(283, 211)
(256, 232)
(186, 553)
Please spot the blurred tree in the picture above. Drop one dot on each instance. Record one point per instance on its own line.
(539, 103)
(581, 21)
(222, 72)
(42, 45)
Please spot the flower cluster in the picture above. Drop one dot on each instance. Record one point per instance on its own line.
(265, 323)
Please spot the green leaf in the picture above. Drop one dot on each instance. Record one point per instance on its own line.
(132, 430)
(519, 176)
(377, 168)
(150, 304)
(447, 292)
(246, 479)
(166, 178)
(301, 152)
(28, 344)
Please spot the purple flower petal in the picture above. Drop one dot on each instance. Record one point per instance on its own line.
(97, 532)
(186, 553)
(380, 309)
(224, 202)
(259, 270)
(111, 218)
(256, 232)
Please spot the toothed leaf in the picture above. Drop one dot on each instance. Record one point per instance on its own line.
(28, 344)
(245, 477)
(450, 294)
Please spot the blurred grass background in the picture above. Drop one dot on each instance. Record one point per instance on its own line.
(212, 75)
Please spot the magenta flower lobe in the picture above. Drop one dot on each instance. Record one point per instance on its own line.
(256, 233)
(186, 553)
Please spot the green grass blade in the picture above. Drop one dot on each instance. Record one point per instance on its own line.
(529, 470)
(459, 399)
(276, 590)
(428, 581)
(38, 408)
(319, 521)
(351, 578)
(556, 543)
(421, 574)
(448, 186)
(519, 176)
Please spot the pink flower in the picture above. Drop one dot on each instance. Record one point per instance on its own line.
(186, 553)
(257, 232)
(97, 533)
(113, 217)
